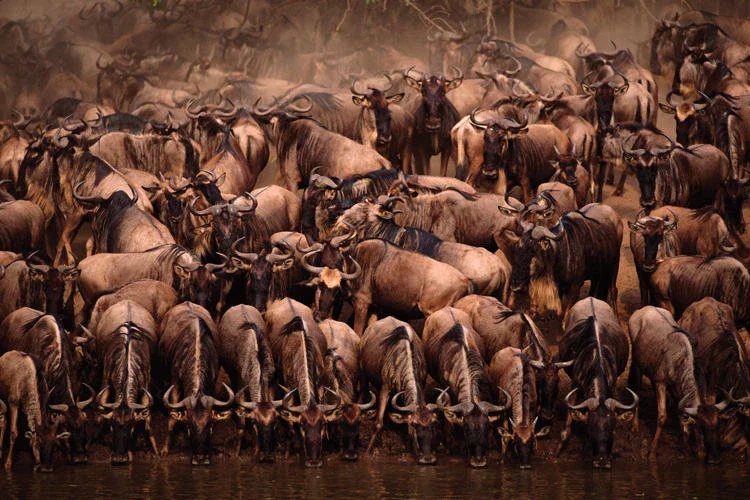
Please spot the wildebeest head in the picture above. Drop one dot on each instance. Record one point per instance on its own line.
(604, 92)
(646, 164)
(311, 419)
(705, 418)
(376, 115)
(655, 232)
(123, 416)
(733, 199)
(228, 220)
(206, 182)
(169, 200)
(687, 116)
(600, 416)
(566, 166)
(475, 420)
(497, 138)
(533, 260)
(330, 278)
(700, 39)
(53, 283)
(351, 416)
(421, 420)
(435, 104)
(263, 416)
(46, 438)
(666, 47)
(270, 116)
(200, 283)
(200, 413)
(260, 269)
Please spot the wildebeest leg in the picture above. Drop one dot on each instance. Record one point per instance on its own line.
(240, 422)
(2, 433)
(13, 435)
(382, 405)
(150, 435)
(565, 435)
(661, 404)
(406, 165)
(444, 157)
(72, 225)
(361, 306)
(291, 177)
(170, 428)
(89, 247)
(643, 286)
(621, 184)
(528, 195)
(601, 173)
(421, 162)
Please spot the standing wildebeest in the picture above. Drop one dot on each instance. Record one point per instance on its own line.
(500, 327)
(719, 350)
(125, 339)
(22, 385)
(598, 347)
(39, 286)
(21, 226)
(298, 345)
(453, 352)
(680, 281)
(402, 281)
(119, 226)
(382, 125)
(104, 272)
(688, 177)
(522, 152)
(155, 296)
(303, 144)
(343, 362)
(63, 362)
(553, 263)
(511, 371)
(187, 347)
(489, 273)
(664, 352)
(393, 361)
(434, 118)
(246, 356)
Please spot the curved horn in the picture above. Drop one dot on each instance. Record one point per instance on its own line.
(252, 257)
(255, 108)
(403, 409)
(169, 405)
(540, 232)
(287, 398)
(223, 404)
(251, 405)
(613, 404)
(330, 408)
(590, 403)
(85, 199)
(390, 83)
(353, 275)
(296, 109)
(83, 404)
(101, 399)
(477, 124)
(309, 267)
(369, 404)
(142, 406)
(354, 90)
(200, 213)
(673, 223)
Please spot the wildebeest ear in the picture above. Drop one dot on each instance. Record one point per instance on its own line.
(181, 271)
(633, 227)
(504, 433)
(453, 417)
(579, 416)
(369, 414)
(670, 110)
(221, 179)
(417, 85)
(622, 89)
(395, 99)
(289, 416)
(544, 431)
(625, 416)
(588, 89)
(453, 84)
(361, 101)
(398, 418)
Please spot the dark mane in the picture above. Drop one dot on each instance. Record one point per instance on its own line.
(296, 324)
(408, 238)
(594, 360)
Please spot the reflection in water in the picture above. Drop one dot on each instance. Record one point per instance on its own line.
(380, 478)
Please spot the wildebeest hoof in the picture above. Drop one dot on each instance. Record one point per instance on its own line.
(313, 463)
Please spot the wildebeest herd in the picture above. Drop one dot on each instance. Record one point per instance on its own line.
(366, 288)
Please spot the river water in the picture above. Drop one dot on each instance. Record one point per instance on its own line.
(389, 478)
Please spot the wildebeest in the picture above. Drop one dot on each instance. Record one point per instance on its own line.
(22, 385)
(680, 281)
(125, 340)
(664, 353)
(21, 226)
(298, 346)
(552, 263)
(454, 359)
(303, 144)
(500, 327)
(246, 356)
(521, 151)
(719, 350)
(64, 364)
(598, 347)
(393, 361)
(511, 371)
(402, 281)
(155, 296)
(119, 226)
(489, 273)
(434, 118)
(343, 362)
(187, 347)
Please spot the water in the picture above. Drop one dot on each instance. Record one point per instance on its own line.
(379, 478)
